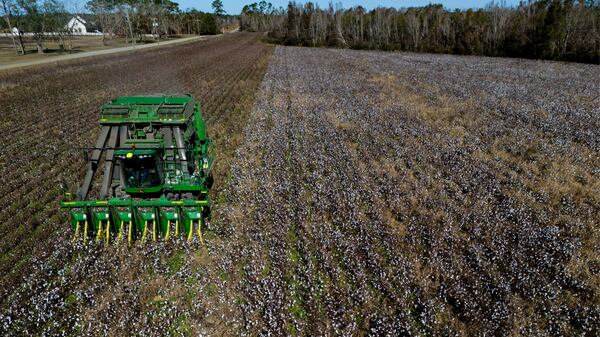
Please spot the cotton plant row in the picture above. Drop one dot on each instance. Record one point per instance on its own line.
(408, 193)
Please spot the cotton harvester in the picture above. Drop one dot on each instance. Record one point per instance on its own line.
(157, 159)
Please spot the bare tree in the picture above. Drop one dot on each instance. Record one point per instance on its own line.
(106, 14)
(414, 27)
(8, 7)
(499, 19)
(36, 21)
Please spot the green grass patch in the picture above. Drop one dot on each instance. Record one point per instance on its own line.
(297, 308)
(294, 255)
(210, 289)
(191, 280)
(291, 328)
(181, 327)
(223, 275)
(221, 199)
(264, 273)
(240, 300)
(175, 262)
(292, 240)
(190, 296)
(323, 282)
(70, 300)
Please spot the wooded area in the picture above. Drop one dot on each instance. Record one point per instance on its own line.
(132, 19)
(551, 29)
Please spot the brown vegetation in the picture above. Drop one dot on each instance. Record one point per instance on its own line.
(551, 29)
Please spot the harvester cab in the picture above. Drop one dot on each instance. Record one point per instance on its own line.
(157, 160)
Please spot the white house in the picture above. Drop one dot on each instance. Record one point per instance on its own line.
(76, 25)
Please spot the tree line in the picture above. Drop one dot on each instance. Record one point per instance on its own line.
(129, 19)
(565, 30)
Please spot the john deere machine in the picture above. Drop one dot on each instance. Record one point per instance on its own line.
(156, 159)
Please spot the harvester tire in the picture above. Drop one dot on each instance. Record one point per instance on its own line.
(210, 181)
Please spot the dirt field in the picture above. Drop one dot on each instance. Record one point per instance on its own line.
(52, 111)
(364, 193)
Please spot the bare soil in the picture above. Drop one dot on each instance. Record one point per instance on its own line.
(51, 111)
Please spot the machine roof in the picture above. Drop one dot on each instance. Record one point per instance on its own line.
(170, 109)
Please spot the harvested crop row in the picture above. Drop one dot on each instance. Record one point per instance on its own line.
(59, 284)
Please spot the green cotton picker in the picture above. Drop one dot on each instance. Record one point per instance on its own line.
(157, 160)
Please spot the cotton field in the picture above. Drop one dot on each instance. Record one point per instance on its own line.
(357, 193)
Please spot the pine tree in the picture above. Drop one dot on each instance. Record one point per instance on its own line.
(217, 6)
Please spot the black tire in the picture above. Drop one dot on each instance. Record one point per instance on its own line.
(210, 181)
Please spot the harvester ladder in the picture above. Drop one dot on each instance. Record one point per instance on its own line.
(108, 162)
(87, 181)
